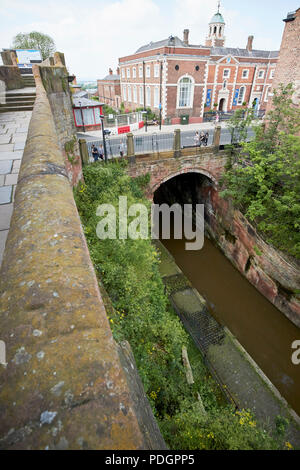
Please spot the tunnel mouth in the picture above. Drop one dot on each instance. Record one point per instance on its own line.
(187, 188)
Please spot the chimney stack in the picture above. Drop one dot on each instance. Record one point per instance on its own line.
(250, 43)
(118, 70)
(110, 72)
(186, 33)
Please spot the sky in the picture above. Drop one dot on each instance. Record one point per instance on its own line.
(93, 34)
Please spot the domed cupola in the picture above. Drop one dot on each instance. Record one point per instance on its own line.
(216, 30)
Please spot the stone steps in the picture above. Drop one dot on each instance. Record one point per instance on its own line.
(15, 101)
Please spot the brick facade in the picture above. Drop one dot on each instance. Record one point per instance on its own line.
(288, 67)
(109, 90)
(190, 80)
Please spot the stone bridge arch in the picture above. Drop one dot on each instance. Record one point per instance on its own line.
(200, 171)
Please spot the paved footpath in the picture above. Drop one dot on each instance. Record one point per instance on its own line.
(13, 135)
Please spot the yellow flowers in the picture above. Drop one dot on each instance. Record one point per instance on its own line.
(288, 445)
(210, 435)
(153, 395)
(246, 418)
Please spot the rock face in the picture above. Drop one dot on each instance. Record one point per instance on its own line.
(270, 271)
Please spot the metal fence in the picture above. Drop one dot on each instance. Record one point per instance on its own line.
(156, 142)
(210, 116)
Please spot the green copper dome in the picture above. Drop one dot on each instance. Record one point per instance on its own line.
(217, 18)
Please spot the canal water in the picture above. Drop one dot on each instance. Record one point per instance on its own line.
(265, 333)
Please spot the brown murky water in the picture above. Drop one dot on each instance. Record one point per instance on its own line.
(261, 328)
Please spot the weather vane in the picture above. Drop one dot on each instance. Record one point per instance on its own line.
(219, 4)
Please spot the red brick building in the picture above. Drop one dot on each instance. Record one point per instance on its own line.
(288, 66)
(109, 89)
(188, 79)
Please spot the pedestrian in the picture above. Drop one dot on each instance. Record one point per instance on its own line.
(206, 136)
(202, 137)
(197, 139)
(217, 118)
(101, 152)
(122, 149)
(95, 153)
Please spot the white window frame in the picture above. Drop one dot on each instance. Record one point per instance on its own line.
(134, 72)
(140, 71)
(262, 73)
(141, 95)
(123, 72)
(129, 94)
(191, 93)
(272, 74)
(128, 72)
(148, 96)
(224, 75)
(241, 98)
(124, 93)
(156, 70)
(245, 71)
(267, 93)
(148, 71)
(156, 97)
(135, 94)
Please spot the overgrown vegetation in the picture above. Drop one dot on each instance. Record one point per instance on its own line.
(129, 270)
(263, 176)
(35, 40)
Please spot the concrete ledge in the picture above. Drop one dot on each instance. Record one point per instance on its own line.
(63, 386)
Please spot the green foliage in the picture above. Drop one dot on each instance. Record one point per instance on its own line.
(150, 114)
(263, 177)
(108, 110)
(35, 40)
(129, 270)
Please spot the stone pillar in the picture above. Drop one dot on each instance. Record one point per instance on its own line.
(59, 59)
(84, 151)
(177, 143)
(217, 137)
(13, 57)
(130, 148)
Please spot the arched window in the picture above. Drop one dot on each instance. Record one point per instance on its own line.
(241, 95)
(220, 31)
(129, 93)
(185, 95)
(215, 30)
(224, 84)
(134, 94)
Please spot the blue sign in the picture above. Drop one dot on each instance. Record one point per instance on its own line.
(236, 95)
(159, 106)
(208, 97)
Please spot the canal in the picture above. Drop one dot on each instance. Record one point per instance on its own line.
(261, 328)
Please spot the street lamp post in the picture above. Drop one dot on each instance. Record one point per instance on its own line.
(83, 128)
(144, 86)
(160, 61)
(103, 136)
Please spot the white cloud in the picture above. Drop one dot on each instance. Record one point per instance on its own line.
(94, 34)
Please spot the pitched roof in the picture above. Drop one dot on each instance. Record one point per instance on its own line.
(170, 42)
(111, 77)
(84, 102)
(236, 52)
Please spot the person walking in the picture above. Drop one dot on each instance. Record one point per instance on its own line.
(202, 137)
(197, 139)
(95, 153)
(101, 152)
(205, 141)
(122, 149)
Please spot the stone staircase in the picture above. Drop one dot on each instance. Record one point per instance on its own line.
(20, 100)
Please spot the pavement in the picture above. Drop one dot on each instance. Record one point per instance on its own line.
(13, 135)
(155, 130)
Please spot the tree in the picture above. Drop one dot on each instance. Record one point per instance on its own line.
(264, 181)
(35, 40)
